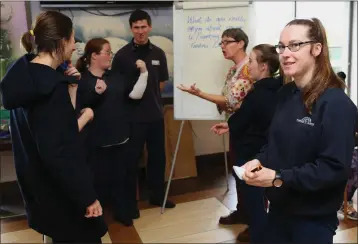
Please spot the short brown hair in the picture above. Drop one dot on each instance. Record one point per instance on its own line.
(139, 15)
(237, 34)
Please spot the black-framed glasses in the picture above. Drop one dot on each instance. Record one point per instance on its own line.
(293, 47)
(226, 42)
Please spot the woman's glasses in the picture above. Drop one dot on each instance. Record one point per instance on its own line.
(293, 47)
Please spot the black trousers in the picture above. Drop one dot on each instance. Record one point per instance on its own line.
(252, 204)
(79, 241)
(151, 134)
(288, 229)
(110, 172)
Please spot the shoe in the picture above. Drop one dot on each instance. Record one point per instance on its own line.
(244, 236)
(234, 217)
(136, 214)
(123, 220)
(156, 202)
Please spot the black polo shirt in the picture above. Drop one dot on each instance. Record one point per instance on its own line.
(150, 107)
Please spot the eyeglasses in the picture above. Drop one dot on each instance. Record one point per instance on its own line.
(108, 52)
(226, 42)
(293, 47)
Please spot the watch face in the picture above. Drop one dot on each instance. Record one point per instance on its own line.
(277, 183)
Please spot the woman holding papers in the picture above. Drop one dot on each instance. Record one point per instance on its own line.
(311, 139)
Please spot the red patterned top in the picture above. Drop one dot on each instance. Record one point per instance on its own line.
(237, 85)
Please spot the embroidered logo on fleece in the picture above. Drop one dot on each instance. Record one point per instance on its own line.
(306, 121)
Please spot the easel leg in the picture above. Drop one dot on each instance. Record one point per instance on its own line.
(47, 239)
(173, 165)
(226, 164)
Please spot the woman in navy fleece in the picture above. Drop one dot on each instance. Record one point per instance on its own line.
(311, 139)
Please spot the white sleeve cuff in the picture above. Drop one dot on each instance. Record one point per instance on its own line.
(140, 86)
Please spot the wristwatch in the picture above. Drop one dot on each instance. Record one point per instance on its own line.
(277, 182)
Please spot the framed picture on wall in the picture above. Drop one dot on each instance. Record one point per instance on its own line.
(113, 24)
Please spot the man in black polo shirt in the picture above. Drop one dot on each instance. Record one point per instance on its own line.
(147, 115)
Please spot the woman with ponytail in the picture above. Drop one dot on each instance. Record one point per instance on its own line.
(110, 95)
(306, 162)
(248, 130)
(55, 181)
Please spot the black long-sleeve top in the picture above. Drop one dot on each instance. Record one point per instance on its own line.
(112, 108)
(312, 151)
(51, 170)
(249, 124)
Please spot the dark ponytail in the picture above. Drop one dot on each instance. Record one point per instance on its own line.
(27, 41)
(81, 64)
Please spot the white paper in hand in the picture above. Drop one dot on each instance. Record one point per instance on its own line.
(239, 171)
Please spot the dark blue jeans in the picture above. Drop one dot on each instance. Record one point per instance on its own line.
(282, 228)
(254, 206)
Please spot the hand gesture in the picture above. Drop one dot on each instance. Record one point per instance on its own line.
(101, 86)
(191, 89)
(261, 178)
(72, 71)
(141, 66)
(220, 128)
(94, 210)
(250, 165)
(88, 113)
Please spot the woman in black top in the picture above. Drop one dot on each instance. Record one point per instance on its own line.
(55, 181)
(248, 129)
(110, 95)
(311, 139)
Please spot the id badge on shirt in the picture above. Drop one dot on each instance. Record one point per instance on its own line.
(155, 62)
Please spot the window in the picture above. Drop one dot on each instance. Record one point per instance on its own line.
(269, 18)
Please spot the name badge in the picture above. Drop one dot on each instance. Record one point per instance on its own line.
(155, 62)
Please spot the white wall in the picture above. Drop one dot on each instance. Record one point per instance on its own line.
(268, 20)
